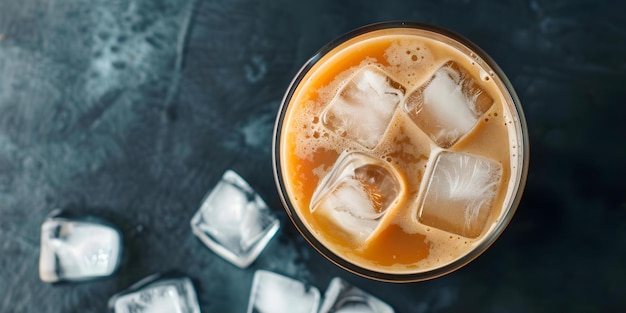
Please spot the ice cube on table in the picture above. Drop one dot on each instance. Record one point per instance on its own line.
(460, 193)
(449, 105)
(157, 294)
(275, 293)
(234, 221)
(342, 297)
(78, 248)
(364, 106)
(356, 193)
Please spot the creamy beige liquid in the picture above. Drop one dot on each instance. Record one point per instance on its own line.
(400, 244)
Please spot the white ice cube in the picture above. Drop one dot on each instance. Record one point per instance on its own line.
(364, 106)
(156, 294)
(74, 249)
(356, 193)
(234, 221)
(341, 296)
(449, 105)
(274, 293)
(460, 193)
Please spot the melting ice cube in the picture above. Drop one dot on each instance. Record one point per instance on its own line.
(274, 293)
(157, 294)
(460, 193)
(449, 105)
(364, 106)
(234, 221)
(78, 248)
(356, 193)
(342, 297)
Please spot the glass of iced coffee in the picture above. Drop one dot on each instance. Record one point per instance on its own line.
(400, 151)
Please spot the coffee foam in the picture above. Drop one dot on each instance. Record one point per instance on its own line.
(410, 62)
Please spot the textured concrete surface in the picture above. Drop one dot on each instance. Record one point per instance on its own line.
(132, 110)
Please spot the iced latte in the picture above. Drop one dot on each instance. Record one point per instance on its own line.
(400, 151)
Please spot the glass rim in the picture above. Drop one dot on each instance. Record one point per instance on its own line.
(485, 243)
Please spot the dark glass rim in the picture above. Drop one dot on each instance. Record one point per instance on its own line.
(435, 272)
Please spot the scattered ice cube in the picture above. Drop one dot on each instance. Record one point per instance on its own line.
(78, 248)
(342, 297)
(449, 105)
(364, 106)
(234, 221)
(356, 193)
(157, 294)
(274, 293)
(460, 193)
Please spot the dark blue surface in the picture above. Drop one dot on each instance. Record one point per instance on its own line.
(132, 110)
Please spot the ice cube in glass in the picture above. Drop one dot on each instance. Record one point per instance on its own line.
(77, 248)
(364, 106)
(234, 221)
(449, 105)
(356, 193)
(460, 193)
(275, 293)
